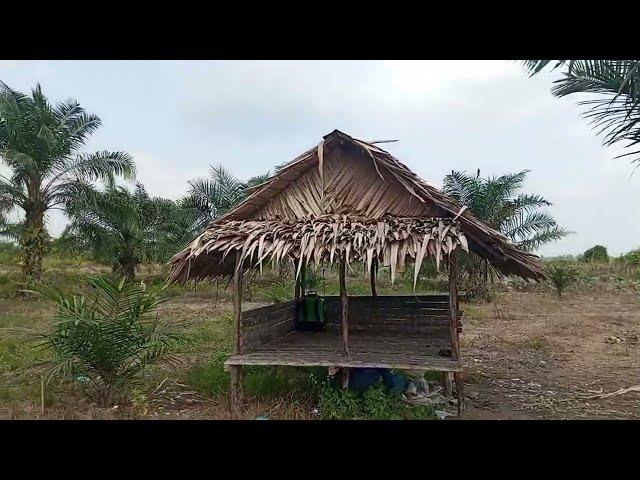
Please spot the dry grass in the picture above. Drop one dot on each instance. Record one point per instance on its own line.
(539, 356)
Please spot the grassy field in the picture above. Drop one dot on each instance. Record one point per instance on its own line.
(522, 344)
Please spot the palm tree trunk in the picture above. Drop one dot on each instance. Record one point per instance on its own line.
(129, 270)
(32, 248)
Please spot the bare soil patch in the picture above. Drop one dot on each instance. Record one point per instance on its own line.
(530, 355)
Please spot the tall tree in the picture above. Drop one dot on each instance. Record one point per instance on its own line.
(40, 143)
(615, 87)
(126, 229)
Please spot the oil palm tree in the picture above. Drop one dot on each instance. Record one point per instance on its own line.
(615, 86)
(495, 201)
(125, 229)
(214, 196)
(40, 143)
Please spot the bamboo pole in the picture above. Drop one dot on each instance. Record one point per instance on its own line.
(297, 291)
(344, 299)
(373, 275)
(236, 370)
(299, 283)
(237, 376)
(237, 305)
(453, 325)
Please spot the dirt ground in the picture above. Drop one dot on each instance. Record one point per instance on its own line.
(530, 356)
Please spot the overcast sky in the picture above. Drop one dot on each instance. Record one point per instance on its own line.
(179, 117)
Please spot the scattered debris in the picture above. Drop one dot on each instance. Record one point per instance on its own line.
(613, 339)
(622, 391)
(442, 414)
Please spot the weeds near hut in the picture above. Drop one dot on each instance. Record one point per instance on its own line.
(279, 292)
(375, 403)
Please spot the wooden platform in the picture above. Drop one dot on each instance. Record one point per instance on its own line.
(368, 350)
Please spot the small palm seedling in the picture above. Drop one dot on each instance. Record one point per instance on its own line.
(110, 339)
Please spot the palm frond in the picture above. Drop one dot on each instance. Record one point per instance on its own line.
(495, 201)
(543, 237)
(536, 66)
(615, 85)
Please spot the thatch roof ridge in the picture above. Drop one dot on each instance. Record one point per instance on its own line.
(483, 240)
(323, 239)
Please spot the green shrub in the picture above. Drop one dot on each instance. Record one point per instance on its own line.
(106, 342)
(561, 276)
(279, 292)
(379, 404)
(596, 254)
(632, 258)
(8, 253)
(276, 381)
(375, 403)
(337, 404)
(210, 378)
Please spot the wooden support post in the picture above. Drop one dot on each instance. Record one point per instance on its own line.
(345, 377)
(447, 379)
(238, 344)
(237, 379)
(453, 325)
(299, 291)
(345, 305)
(237, 306)
(373, 275)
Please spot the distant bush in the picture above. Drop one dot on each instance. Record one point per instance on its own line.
(558, 258)
(211, 378)
(632, 258)
(67, 245)
(8, 253)
(595, 254)
(279, 292)
(561, 276)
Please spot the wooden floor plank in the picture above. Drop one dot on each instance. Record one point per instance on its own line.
(368, 350)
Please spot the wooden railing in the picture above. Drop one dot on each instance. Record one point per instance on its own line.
(262, 325)
(423, 316)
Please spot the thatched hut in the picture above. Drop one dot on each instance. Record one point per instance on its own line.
(348, 200)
